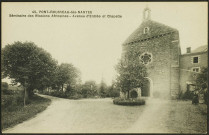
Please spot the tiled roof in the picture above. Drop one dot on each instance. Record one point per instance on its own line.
(155, 29)
(203, 48)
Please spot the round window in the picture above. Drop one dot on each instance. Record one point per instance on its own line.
(146, 58)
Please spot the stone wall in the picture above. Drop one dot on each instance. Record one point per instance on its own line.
(165, 52)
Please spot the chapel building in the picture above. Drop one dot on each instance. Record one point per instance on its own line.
(161, 53)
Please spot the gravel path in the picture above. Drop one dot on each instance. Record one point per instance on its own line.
(96, 116)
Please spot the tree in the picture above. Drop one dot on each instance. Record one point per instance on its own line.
(28, 64)
(202, 83)
(89, 89)
(131, 72)
(113, 90)
(103, 89)
(67, 74)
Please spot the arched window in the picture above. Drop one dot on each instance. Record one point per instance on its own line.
(146, 58)
(146, 30)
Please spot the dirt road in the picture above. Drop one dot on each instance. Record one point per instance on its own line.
(96, 116)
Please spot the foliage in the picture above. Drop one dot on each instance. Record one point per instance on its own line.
(202, 79)
(28, 65)
(202, 83)
(195, 99)
(14, 113)
(188, 95)
(129, 102)
(89, 89)
(66, 74)
(103, 89)
(206, 97)
(113, 90)
(4, 86)
(131, 72)
(11, 99)
(58, 94)
(75, 96)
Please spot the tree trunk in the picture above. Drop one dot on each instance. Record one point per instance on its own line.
(30, 92)
(62, 87)
(128, 94)
(25, 95)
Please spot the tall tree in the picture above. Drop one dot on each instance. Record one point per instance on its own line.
(67, 74)
(202, 83)
(131, 72)
(103, 89)
(28, 64)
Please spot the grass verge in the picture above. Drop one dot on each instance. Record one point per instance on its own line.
(184, 117)
(11, 117)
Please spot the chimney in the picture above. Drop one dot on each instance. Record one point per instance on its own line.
(188, 49)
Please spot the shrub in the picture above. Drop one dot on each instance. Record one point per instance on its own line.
(44, 92)
(75, 96)
(60, 94)
(129, 102)
(16, 113)
(4, 86)
(11, 100)
(188, 95)
(206, 97)
(195, 99)
(180, 95)
(114, 93)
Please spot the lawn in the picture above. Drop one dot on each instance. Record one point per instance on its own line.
(184, 117)
(12, 109)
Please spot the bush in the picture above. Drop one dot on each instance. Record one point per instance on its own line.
(4, 86)
(188, 95)
(206, 97)
(60, 94)
(44, 92)
(11, 100)
(75, 96)
(129, 102)
(114, 93)
(195, 99)
(15, 113)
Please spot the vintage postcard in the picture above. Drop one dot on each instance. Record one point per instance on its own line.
(104, 67)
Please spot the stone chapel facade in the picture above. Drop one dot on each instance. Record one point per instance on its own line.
(161, 55)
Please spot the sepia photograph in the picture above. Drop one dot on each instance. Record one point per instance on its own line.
(104, 67)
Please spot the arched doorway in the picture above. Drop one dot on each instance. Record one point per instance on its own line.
(146, 90)
(133, 94)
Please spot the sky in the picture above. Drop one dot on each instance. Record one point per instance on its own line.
(94, 45)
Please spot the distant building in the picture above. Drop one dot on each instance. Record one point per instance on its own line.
(168, 71)
(191, 64)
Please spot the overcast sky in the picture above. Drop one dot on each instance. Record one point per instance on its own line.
(94, 45)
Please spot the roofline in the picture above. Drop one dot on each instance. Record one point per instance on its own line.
(149, 38)
(195, 53)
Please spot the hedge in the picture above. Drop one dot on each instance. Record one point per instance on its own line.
(129, 102)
